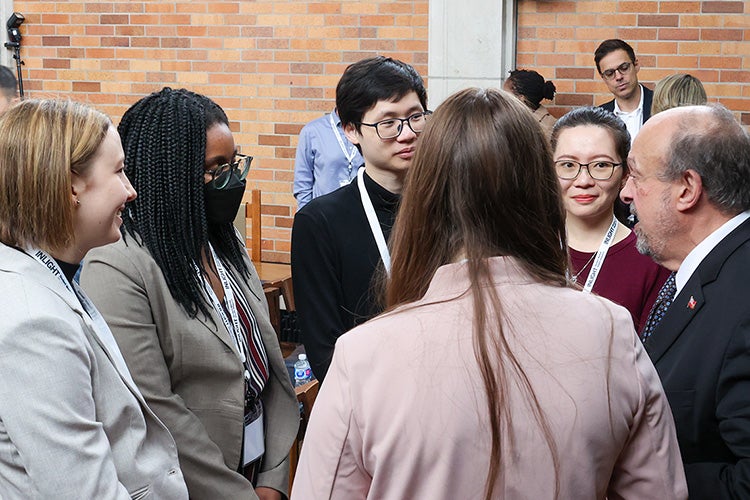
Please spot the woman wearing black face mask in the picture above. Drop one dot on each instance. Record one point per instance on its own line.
(186, 306)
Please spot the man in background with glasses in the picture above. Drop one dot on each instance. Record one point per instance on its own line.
(617, 65)
(339, 240)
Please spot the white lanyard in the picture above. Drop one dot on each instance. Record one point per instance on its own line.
(377, 232)
(101, 329)
(349, 155)
(600, 255)
(232, 324)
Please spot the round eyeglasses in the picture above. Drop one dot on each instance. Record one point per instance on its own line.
(392, 127)
(221, 175)
(598, 170)
(622, 69)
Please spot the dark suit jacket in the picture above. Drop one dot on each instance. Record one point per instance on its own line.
(648, 98)
(701, 350)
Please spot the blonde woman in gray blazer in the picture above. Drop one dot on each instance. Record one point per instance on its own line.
(72, 422)
(186, 306)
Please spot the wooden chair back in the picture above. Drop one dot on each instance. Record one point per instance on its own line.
(251, 212)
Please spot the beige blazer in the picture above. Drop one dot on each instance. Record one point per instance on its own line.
(190, 373)
(72, 425)
(402, 412)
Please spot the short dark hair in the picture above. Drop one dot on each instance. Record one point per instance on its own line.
(609, 46)
(531, 87)
(600, 117)
(368, 81)
(8, 82)
(716, 147)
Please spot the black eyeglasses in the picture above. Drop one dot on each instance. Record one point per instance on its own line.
(622, 69)
(598, 170)
(392, 127)
(221, 175)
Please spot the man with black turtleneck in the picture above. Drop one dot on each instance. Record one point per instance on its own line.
(339, 240)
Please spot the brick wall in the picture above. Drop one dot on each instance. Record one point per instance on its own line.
(708, 39)
(272, 65)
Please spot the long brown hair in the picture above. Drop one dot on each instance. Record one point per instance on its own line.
(482, 185)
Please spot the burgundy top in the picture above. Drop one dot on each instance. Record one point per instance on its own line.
(627, 277)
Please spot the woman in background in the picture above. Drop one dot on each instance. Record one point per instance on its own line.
(531, 88)
(72, 422)
(590, 148)
(677, 90)
(488, 377)
(186, 305)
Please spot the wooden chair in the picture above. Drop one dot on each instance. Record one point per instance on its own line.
(252, 212)
(306, 395)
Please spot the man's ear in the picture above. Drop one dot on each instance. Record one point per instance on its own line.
(636, 65)
(351, 133)
(690, 186)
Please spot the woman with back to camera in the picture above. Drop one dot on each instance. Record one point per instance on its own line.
(488, 377)
(590, 148)
(186, 305)
(72, 422)
(531, 88)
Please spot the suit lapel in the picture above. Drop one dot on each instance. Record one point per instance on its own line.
(690, 300)
(684, 307)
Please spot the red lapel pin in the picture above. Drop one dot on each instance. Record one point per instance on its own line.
(692, 303)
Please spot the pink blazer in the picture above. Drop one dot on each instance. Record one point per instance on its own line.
(402, 412)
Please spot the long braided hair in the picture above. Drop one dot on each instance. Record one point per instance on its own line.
(164, 139)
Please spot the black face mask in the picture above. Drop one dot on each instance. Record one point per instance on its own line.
(222, 204)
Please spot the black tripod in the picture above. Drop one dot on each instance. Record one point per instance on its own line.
(16, 46)
(14, 42)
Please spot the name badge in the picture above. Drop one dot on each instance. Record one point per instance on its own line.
(254, 443)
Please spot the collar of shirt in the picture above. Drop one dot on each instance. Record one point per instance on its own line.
(633, 119)
(697, 254)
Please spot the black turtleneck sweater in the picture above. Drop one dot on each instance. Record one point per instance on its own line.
(334, 258)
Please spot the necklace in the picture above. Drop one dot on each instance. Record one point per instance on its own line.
(574, 278)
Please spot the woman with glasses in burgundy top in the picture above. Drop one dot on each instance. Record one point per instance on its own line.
(590, 149)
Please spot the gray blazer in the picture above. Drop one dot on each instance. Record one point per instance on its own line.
(71, 424)
(189, 371)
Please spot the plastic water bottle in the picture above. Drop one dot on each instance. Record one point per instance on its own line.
(302, 371)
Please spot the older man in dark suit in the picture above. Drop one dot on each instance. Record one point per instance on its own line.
(690, 185)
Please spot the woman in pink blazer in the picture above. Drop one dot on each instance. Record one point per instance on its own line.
(488, 376)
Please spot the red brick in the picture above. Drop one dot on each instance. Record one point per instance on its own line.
(658, 20)
(723, 7)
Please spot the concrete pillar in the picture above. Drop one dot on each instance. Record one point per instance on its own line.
(471, 44)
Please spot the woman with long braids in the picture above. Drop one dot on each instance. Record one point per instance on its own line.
(488, 377)
(186, 306)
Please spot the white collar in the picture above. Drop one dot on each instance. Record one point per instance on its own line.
(697, 254)
(618, 111)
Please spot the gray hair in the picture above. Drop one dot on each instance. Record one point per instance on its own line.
(718, 149)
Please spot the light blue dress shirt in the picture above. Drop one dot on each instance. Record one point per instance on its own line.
(321, 165)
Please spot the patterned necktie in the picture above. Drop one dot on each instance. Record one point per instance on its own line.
(659, 309)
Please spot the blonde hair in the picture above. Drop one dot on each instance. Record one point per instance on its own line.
(676, 90)
(42, 141)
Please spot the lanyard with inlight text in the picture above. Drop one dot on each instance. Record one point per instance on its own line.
(349, 155)
(231, 323)
(600, 255)
(377, 232)
(100, 326)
